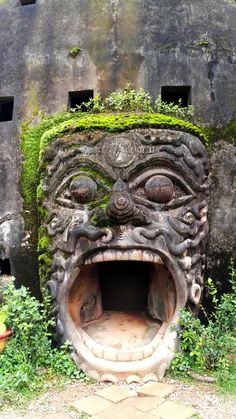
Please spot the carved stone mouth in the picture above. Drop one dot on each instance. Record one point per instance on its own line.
(122, 303)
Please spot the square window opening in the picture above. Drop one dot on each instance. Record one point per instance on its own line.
(78, 98)
(26, 2)
(5, 267)
(6, 108)
(179, 95)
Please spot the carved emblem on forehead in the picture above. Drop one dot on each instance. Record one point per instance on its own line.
(120, 151)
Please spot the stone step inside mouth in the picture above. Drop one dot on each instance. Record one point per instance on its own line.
(122, 307)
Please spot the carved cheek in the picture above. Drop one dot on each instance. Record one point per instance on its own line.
(159, 189)
(83, 189)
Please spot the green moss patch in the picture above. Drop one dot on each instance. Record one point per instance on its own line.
(226, 133)
(36, 139)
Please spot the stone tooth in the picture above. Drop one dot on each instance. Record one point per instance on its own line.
(89, 343)
(108, 255)
(137, 355)
(136, 255)
(147, 351)
(110, 354)
(157, 259)
(97, 258)
(123, 356)
(98, 351)
(147, 256)
(120, 255)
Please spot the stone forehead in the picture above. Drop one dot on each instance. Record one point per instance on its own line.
(121, 154)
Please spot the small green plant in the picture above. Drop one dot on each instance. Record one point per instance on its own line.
(210, 348)
(130, 100)
(29, 360)
(73, 52)
(203, 43)
(175, 110)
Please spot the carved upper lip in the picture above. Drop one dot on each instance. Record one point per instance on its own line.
(122, 255)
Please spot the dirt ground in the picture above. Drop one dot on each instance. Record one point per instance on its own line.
(56, 404)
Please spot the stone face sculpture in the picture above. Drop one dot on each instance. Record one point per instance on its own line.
(127, 215)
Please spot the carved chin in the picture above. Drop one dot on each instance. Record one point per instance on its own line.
(119, 312)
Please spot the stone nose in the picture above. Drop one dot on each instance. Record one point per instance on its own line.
(119, 186)
(121, 206)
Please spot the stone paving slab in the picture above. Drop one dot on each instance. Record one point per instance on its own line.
(144, 404)
(122, 411)
(155, 389)
(173, 410)
(148, 402)
(116, 394)
(92, 405)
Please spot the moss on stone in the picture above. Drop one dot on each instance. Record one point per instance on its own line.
(36, 139)
(226, 133)
(73, 52)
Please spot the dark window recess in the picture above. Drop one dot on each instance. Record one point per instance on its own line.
(26, 2)
(124, 285)
(173, 94)
(6, 108)
(77, 98)
(5, 267)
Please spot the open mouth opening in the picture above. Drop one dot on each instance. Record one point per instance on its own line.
(122, 307)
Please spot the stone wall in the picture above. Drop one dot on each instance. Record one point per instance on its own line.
(150, 44)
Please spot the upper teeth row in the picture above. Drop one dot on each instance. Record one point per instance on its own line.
(136, 255)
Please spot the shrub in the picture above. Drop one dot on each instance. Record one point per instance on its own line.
(29, 360)
(130, 100)
(210, 348)
(176, 110)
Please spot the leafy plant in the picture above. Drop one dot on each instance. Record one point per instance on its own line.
(175, 110)
(73, 52)
(29, 359)
(130, 100)
(210, 348)
(3, 317)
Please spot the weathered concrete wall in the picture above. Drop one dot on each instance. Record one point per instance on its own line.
(148, 43)
(222, 211)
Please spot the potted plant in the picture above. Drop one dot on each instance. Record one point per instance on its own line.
(4, 333)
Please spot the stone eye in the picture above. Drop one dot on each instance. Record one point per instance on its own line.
(159, 189)
(83, 189)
